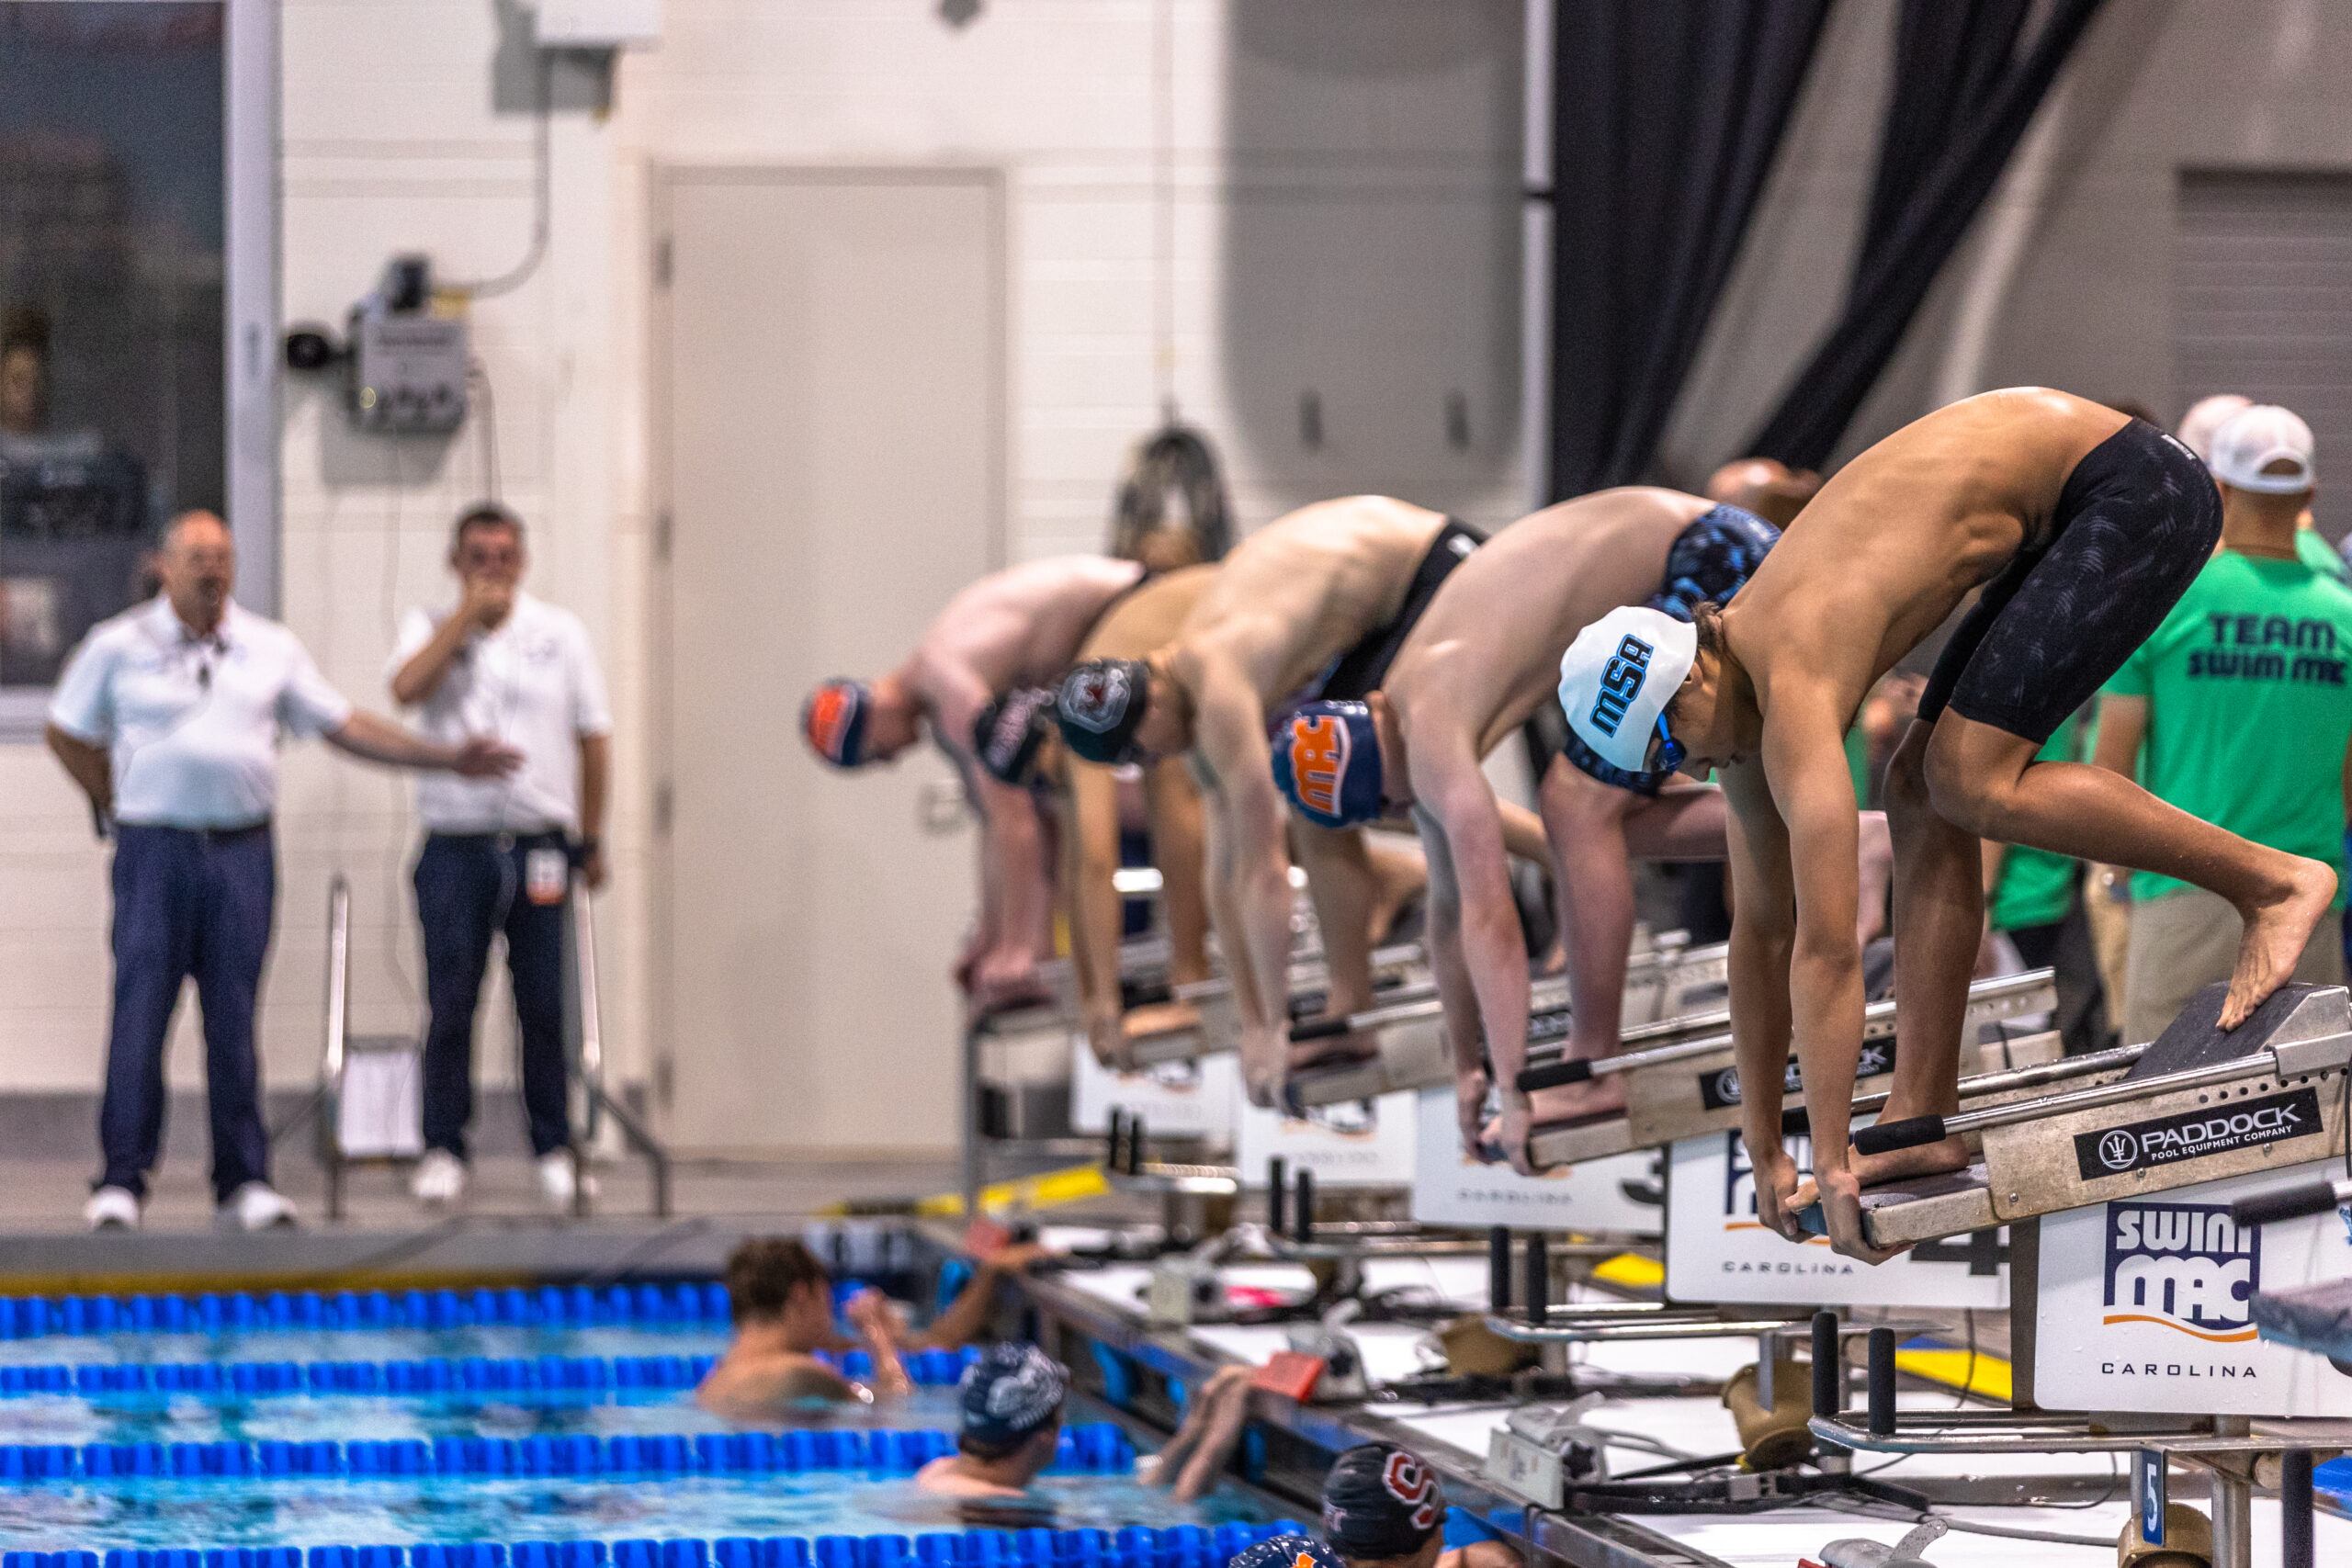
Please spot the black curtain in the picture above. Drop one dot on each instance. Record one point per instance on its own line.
(1964, 95)
(1667, 113)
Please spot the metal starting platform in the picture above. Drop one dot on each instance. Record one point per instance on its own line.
(1671, 982)
(1681, 1079)
(2194, 1105)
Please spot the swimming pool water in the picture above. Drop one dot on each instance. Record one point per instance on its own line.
(160, 1512)
(50, 1516)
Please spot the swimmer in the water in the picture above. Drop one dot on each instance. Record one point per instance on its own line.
(1481, 663)
(1314, 605)
(1014, 629)
(2083, 527)
(782, 1299)
(1382, 1508)
(1011, 1402)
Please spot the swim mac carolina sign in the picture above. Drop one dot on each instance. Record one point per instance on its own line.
(2148, 1305)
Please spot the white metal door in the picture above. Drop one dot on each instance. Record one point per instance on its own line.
(832, 344)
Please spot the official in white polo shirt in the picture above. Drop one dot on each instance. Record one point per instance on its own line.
(168, 716)
(499, 856)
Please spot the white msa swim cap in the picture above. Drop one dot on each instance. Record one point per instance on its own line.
(1618, 676)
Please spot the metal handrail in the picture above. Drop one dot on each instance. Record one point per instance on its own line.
(592, 1068)
(330, 1067)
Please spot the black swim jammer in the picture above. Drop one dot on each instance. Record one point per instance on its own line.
(1359, 671)
(2137, 521)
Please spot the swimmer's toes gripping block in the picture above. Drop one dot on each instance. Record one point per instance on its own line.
(2197, 1105)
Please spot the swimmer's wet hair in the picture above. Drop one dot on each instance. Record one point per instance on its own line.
(763, 1271)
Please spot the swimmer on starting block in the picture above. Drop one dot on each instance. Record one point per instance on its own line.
(782, 1299)
(1480, 664)
(1016, 628)
(2083, 526)
(1090, 812)
(1314, 605)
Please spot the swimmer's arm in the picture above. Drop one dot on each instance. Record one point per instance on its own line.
(870, 1313)
(1480, 1554)
(1176, 833)
(1449, 787)
(1763, 929)
(1804, 759)
(1230, 735)
(1595, 891)
(1091, 824)
(966, 1320)
(1524, 833)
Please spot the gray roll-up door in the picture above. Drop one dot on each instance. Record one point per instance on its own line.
(2263, 306)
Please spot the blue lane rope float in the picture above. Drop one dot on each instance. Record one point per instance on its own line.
(1136, 1546)
(689, 1304)
(1098, 1448)
(512, 1379)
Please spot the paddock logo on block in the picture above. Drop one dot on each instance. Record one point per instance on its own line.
(2186, 1267)
(2193, 1135)
(1720, 1088)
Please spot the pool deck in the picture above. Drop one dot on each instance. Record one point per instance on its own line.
(503, 1232)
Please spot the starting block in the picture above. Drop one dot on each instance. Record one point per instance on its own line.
(1664, 987)
(1689, 1086)
(2195, 1105)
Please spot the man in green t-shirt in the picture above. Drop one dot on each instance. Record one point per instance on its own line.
(2238, 710)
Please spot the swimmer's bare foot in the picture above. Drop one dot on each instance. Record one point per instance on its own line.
(1895, 1164)
(1599, 1097)
(2276, 933)
(1354, 1047)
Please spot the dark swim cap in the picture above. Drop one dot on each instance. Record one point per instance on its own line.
(1012, 1391)
(834, 718)
(1381, 1501)
(1008, 733)
(1100, 706)
(1713, 560)
(1326, 763)
(1288, 1552)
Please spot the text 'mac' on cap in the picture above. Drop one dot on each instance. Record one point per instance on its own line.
(1327, 763)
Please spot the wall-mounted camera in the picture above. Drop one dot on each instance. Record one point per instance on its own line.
(403, 356)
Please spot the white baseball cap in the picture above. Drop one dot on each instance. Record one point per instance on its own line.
(1618, 676)
(2207, 415)
(2255, 439)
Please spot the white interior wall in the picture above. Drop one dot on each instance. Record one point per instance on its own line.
(407, 127)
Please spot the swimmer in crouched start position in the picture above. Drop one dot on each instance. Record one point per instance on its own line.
(2083, 526)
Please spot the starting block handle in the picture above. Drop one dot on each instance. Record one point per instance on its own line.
(2292, 1202)
(1909, 1133)
(1319, 1029)
(1553, 1075)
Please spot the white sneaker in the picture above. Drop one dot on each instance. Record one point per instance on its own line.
(255, 1206)
(560, 1181)
(112, 1208)
(440, 1179)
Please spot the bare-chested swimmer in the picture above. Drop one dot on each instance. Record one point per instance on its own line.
(1483, 660)
(2084, 528)
(1313, 603)
(1014, 629)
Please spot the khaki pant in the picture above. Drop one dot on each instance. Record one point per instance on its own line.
(2186, 940)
